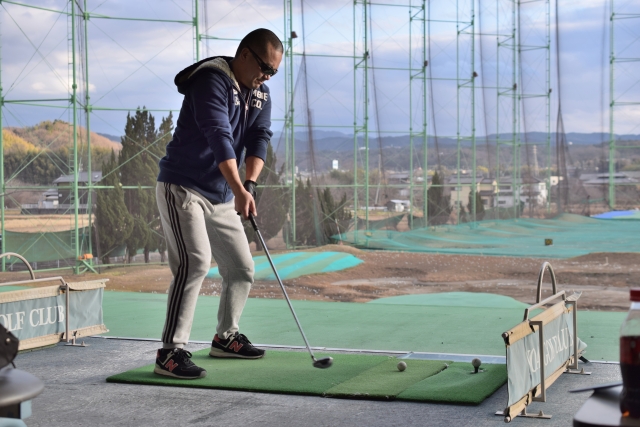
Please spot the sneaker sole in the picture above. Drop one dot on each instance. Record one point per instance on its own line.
(161, 371)
(220, 353)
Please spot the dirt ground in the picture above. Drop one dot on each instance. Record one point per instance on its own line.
(603, 278)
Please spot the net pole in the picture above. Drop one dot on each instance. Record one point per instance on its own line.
(366, 113)
(424, 114)
(612, 140)
(74, 98)
(2, 183)
(474, 187)
(410, 119)
(87, 107)
(548, 102)
(355, 127)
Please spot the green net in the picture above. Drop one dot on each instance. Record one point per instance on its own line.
(45, 246)
(563, 237)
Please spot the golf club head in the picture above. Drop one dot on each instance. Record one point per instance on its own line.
(323, 363)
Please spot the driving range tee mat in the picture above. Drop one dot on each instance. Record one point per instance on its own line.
(356, 376)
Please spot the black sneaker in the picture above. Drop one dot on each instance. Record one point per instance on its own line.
(176, 363)
(236, 345)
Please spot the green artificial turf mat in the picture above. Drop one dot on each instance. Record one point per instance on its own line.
(295, 264)
(391, 327)
(13, 288)
(454, 299)
(385, 381)
(457, 384)
(286, 372)
(352, 375)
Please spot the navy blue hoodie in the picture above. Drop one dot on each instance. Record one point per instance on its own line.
(216, 123)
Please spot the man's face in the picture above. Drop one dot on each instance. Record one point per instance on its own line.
(256, 68)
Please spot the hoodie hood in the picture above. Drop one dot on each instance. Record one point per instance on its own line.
(216, 63)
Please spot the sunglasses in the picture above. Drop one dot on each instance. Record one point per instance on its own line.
(266, 69)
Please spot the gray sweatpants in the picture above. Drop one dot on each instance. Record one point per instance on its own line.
(195, 230)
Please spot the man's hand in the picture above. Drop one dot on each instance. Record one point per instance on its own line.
(251, 186)
(244, 200)
(245, 203)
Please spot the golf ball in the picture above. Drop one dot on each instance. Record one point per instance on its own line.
(476, 362)
(402, 366)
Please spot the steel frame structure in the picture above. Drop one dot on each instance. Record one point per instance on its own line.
(75, 12)
(619, 56)
(507, 92)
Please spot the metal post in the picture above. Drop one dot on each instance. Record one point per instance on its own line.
(473, 112)
(514, 102)
(366, 113)
(196, 29)
(548, 87)
(74, 100)
(425, 141)
(289, 125)
(355, 128)
(3, 237)
(459, 204)
(410, 120)
(87, 109)
(612, 139)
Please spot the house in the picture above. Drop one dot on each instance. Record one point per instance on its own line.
(530, 191)
(461, 189)
(65, 187)
(603, 179)
(396, 205)
(59, 200)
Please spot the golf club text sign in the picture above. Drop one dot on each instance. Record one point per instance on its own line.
(41, 316)
(539, 350)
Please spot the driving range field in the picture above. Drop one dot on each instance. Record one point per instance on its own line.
(435, 312)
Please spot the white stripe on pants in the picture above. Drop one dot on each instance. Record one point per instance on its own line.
(195, 230)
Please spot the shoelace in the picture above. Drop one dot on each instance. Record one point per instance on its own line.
(243, 339)
(183, 356)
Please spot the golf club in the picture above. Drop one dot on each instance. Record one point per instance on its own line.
(317, 363)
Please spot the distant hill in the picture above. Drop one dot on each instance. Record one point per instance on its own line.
(113, 138)
(13, 143)
(59, 134)
(337, 141)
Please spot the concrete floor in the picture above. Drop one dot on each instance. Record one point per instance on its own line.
(76, 394)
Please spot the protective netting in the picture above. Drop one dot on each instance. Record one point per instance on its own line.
(44, 246)
(571, 236)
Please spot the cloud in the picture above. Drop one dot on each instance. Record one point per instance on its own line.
(133, 63)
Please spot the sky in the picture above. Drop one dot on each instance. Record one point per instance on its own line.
(133, 63)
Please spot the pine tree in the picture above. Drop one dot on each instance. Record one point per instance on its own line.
(479, 206)
(157, 150)
(272, 202)
(139, 167)
(336, 215)
(113, 223)
(305, 224)
(438, 205)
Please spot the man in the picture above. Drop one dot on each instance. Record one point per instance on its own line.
(226, 111)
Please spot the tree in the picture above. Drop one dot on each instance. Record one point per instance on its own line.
(113, 223)
(336, 216)
(156, 239)
(479, 205)
(272, 202)
(438, 205)
(305, 224)
(142, 147)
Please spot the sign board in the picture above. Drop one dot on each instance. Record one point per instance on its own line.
(539, 350)
(38, 316)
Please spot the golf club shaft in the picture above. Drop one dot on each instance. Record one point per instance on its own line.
(284, 291)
